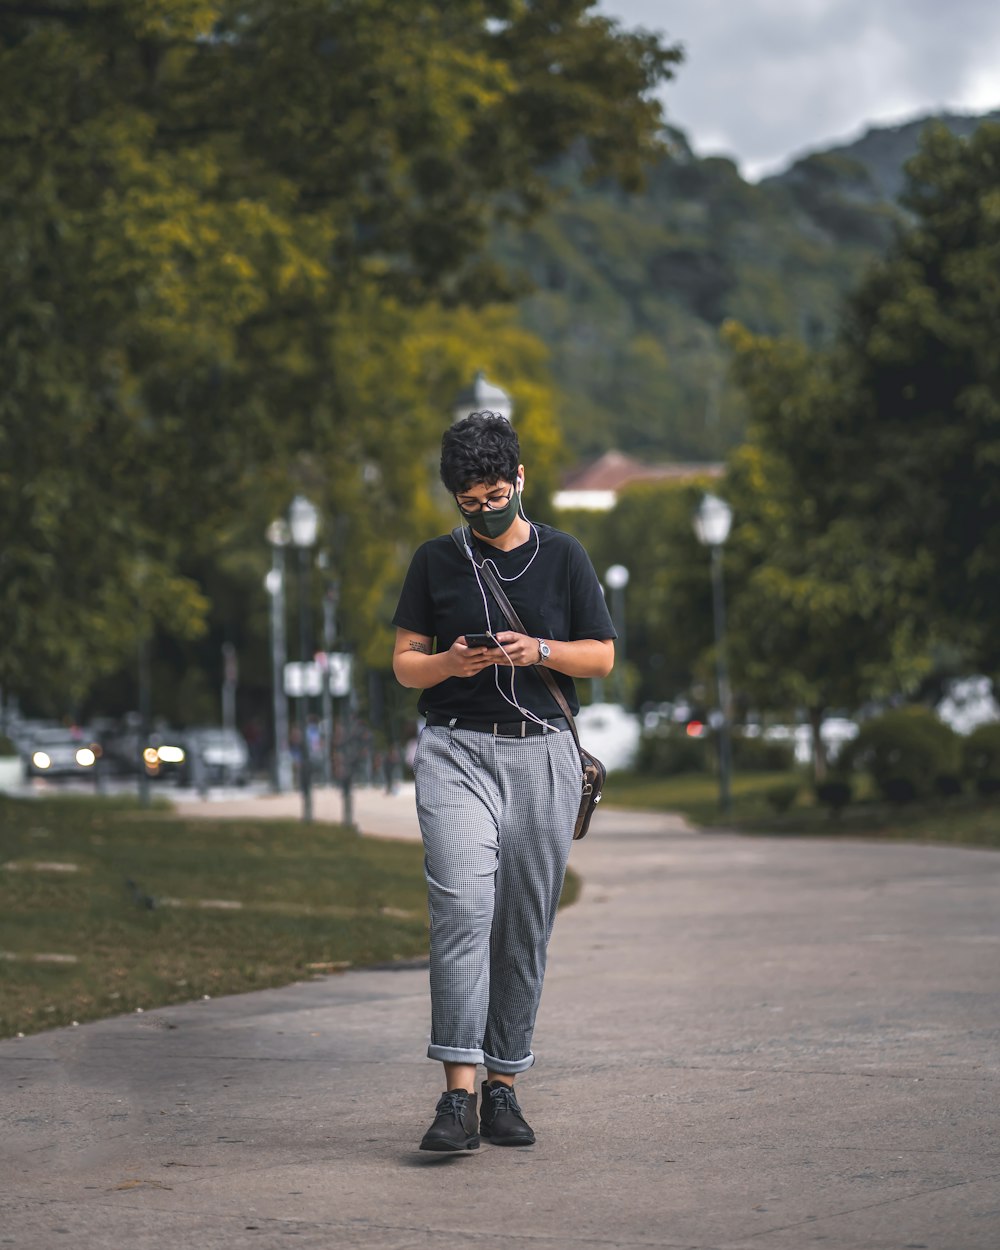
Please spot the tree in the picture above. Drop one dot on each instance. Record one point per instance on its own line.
(219, 223)
(869, 492)
(922, 339)
(822, 615)
(669, 607)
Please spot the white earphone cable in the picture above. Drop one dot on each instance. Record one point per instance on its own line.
(512, 699)
(538, 542)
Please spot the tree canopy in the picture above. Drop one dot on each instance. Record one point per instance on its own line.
(243, 252)
(866, 497)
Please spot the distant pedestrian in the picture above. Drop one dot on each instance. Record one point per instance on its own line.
(497, 770)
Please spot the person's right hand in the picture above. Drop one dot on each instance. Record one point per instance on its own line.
(469, 661)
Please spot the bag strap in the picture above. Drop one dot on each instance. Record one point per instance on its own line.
(514, 621)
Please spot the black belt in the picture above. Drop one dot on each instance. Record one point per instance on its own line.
(499, 729)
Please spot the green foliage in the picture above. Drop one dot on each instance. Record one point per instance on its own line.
(835, 793)
(668, 597)
(782, 797)
(630, 293)
(667, 751)
(866, 498)
(212, 300)
(821, 616)
(762, 755)
(923, 411)
(909, 754)
(981, 758)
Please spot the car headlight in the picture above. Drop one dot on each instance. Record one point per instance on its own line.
(85, 757)
(170, 755)
(40, 760)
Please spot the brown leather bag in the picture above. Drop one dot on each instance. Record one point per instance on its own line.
(594, 772)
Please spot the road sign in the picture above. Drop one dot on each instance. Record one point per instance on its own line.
(302, 680)
(339, 666)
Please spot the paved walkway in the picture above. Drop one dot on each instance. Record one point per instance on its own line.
(744, 1043)
(379, 814)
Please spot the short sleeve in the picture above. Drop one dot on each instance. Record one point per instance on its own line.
(415, 609)
(589, 615)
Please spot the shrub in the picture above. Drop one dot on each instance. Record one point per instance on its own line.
(909, 753)
(835, 793)
(6, 746)
(665, 752)
(948, 786)
(761, 755)
(981, 758)
(781, 797)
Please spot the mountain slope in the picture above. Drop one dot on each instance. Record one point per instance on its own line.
(629, 292)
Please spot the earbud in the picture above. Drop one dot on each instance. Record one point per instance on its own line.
(520, 485)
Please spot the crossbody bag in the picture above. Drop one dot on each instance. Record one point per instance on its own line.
(594, 773)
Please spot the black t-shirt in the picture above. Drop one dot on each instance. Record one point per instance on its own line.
(558, 596)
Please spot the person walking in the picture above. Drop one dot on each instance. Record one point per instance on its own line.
(497, 770)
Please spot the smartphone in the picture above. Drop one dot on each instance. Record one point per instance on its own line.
(480, 640)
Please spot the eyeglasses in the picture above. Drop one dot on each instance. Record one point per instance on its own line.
(495, 503)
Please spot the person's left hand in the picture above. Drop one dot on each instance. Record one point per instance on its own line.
(522, 649)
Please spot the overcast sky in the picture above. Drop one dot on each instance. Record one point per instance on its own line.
(765, 80)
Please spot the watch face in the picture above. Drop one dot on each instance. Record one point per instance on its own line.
(545, 649)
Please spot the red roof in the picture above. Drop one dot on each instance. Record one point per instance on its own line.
(614, 470)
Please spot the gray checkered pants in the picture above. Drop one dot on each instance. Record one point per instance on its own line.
(497, 816)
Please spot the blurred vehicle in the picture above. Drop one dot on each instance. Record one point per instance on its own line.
(61, 752)
(161, 754)
(215, 756)
(834, 732)
(611, 733)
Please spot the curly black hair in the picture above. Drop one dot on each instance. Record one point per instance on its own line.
(482, 447)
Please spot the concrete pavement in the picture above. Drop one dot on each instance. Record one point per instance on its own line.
(377, 813)
(769, 1043)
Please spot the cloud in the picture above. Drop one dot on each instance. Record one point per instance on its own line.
(765, 79)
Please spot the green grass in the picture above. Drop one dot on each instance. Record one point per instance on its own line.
(312, 899)
(963, 820)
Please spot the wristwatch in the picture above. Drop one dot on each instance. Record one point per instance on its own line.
(544, 651)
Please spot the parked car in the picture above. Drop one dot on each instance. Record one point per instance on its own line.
(161, 753)
(215, 756)
(62, 752)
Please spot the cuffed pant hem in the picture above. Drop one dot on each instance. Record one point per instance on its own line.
(508, 1067)
(455, 1054)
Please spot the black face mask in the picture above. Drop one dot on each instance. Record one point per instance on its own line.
(491, 524)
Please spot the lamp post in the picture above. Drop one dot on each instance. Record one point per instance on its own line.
(711, 524)
(303, 521)
(278, 537)
(145, 700)
(480, 396)
(331, 597)
(230, 681)
(616, 579)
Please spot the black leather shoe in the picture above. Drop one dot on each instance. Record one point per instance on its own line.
(456, 1125)
(502, 1122)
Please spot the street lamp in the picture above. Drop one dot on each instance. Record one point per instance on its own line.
(616, 579)
(481, 396)
(711, 524)
(303, 521)
(278, 536)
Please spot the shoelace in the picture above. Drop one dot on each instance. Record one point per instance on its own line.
(453, 1103)
(503, 1099)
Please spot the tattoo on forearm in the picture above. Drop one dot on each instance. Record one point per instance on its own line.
(419, 646)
